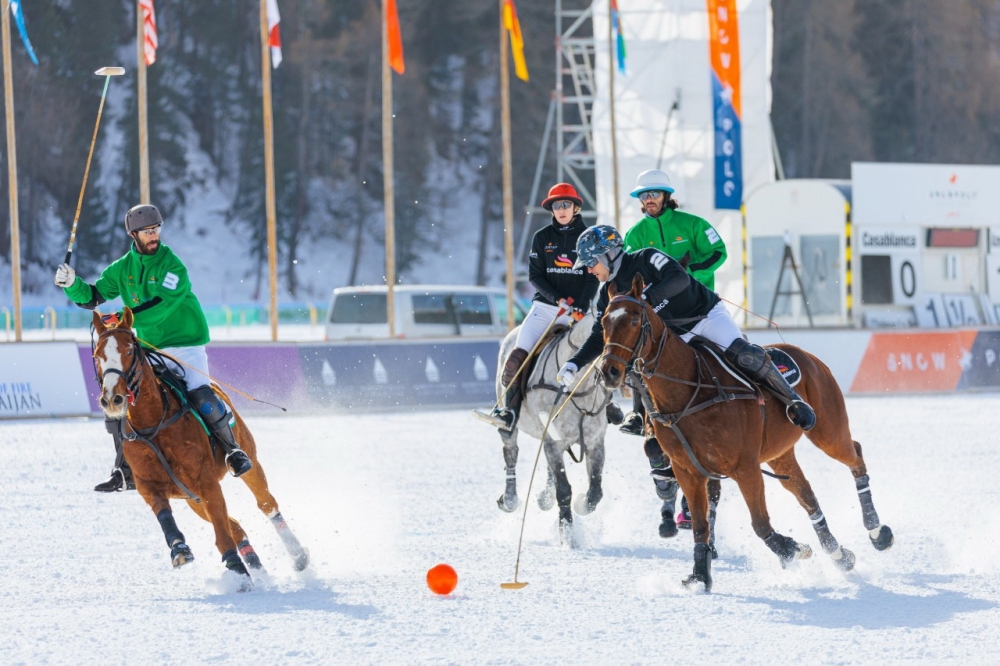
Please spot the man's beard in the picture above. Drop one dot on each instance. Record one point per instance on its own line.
(653, 209)
(147, 248)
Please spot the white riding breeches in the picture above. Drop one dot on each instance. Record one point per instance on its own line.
(193, 367)
(717, 326)
(538, 319)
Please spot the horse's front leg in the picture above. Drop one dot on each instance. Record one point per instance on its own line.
(594, 448)
(751, 483)
(696, 492)
(180, 553)
(508, 501)
(215, 506)
(564, 493)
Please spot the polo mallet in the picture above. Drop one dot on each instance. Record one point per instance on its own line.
(107, 73)
(488, 416)
(517, 585)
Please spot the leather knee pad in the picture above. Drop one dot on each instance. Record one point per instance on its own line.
(513, 363)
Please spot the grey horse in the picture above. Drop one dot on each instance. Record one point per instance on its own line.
(584, 421)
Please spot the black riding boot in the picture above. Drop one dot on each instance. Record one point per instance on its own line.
(121, 475)
(755, 361)
(216, 416)
(633, 423)
(513, 396)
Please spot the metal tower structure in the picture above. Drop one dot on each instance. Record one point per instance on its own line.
(571, 111)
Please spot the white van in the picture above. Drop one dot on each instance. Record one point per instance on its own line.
(422, 311)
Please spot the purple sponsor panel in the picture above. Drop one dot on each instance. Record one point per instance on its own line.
(90, 379)
(265, 372)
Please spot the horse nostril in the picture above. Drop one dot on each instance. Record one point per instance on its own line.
(118, 400)
(104, 402)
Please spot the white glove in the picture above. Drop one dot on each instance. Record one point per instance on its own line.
(564, 305)
(567, 374)
(65, 276)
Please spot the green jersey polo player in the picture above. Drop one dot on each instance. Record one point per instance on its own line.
(153, 282)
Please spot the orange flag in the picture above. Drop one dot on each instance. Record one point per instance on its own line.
(395, 40)
(513, 26)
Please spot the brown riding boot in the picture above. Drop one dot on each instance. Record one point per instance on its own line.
(512, 398)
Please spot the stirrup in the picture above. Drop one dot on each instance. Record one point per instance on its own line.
(507, 418)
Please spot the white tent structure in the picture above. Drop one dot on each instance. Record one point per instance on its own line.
(668, 63)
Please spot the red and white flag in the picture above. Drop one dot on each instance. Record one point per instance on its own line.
(149, 31)
(273, 35)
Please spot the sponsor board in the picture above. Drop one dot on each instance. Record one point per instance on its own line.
(41, 379)
(401, 374)
(914, 362)
(982, 370)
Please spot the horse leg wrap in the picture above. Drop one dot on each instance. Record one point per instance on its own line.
(292, 545)
(826, 539)
(169, 527)
(702, 567)
(782, 546)
(868, 513)
(249, 555)
(231, 558)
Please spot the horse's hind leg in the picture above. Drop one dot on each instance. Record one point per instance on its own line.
(751, 483)
(247, 552)
(257, 483)
(843, 449)
(798, 485)
(880, 535)
(564, 493)
(215, 506)
(508, 501)
(595, 469)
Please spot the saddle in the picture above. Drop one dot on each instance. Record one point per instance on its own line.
(524, 378)
(785, 364)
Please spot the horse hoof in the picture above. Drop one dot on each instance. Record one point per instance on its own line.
(180, 554)
(507, 503)
(683, 522)
(884, 539)
(302, 560)
(668, 528)
(695, 579)
(713, 551)
(246, 584)
(846, 559)
(546, 500)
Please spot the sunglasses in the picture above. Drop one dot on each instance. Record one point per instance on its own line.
(562, 205)
(650, 194)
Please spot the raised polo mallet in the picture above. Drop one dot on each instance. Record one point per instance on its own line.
(107, 73)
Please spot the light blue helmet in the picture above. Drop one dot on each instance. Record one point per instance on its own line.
(652, 180)
(595, 242)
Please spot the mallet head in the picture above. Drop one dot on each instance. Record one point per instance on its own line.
(110, 71)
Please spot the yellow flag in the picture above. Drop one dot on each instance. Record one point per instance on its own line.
(513, 26)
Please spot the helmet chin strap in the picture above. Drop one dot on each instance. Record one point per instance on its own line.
(612, 260)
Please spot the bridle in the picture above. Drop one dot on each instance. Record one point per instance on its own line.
(636, 359)
(133, 376)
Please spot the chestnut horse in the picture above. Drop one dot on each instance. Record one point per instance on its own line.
(171, 456)
(708, 432)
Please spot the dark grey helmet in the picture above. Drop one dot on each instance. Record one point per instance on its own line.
(142, 216)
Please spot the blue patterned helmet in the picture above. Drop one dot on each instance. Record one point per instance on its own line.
(596, 242)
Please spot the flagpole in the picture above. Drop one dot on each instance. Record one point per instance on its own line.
(15, 237)
(388, 193)
(141, 94)
(508, 206)
(611, 92)
(272, 232)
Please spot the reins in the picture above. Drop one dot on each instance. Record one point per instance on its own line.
(134, 376)
(648, 368)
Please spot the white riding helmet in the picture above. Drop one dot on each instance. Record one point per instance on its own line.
(653, 179)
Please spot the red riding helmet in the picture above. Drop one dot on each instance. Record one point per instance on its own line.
(561, 192)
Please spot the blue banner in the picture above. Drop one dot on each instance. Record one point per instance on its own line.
(724, 56)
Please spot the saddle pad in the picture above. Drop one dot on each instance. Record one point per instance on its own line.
(785, 364)
(554, 334)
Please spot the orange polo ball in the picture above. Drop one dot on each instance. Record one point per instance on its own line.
(442, 579)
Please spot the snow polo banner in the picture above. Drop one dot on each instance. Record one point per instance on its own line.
(724, 55)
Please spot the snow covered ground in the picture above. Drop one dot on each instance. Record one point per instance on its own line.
(380, 498)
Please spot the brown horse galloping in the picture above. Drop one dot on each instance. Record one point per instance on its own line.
(707, 433)
(171, 456)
